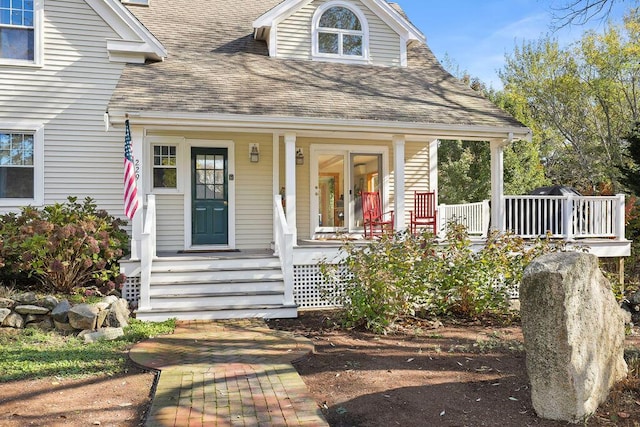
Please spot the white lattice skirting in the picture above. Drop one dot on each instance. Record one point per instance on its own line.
(312, 290)
(131, 290)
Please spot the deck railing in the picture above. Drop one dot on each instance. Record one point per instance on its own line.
(283, 242)
(147, 252)
(568, 217)
(475, 216)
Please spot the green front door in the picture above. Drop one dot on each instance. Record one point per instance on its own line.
(209, 195)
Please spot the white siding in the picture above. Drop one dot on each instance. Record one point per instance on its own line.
(69, 95)
(294, 36)
(169, 222)
(416, 172)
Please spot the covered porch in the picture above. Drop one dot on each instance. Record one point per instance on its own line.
(276, 278)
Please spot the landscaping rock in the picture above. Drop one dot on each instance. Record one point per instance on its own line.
(31, 309)
(63, 326)
(109, 299)
(48, 301)
(45, 324)
(102, 334)
(47, 312)
(30, 318)
(60, 312)
(4, 312)
(118, 316)
(26, 298)
(6, 303)
(14, 320)
(574, 335)
(102, 315)
(83, 316)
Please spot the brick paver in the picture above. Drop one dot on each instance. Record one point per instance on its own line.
(228, 373)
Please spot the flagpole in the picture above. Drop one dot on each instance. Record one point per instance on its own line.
(137, 156)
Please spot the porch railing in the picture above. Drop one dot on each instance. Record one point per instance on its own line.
(283, 242)
(475, 216)
(147, 252)
(568, 217)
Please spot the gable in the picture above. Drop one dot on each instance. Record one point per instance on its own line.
(135, 43)
(289, 32)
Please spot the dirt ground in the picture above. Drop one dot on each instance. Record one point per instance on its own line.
(105, 401)
(451, 375)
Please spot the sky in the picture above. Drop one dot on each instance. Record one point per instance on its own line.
(476, 34)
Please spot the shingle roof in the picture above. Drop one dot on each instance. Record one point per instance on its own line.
(216, 66)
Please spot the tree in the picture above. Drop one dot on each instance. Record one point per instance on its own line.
(579, 101)
(631, 170)
(465, 166)
(579, 12)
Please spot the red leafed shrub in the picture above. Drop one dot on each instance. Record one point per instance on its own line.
(64, 246)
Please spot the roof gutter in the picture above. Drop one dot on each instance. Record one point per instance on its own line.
(255, 123)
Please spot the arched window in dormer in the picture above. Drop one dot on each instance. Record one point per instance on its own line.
(340, 32)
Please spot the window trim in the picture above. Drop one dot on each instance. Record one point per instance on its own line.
(157, 141)
(37, 129)
(38, 40)
(315, 30)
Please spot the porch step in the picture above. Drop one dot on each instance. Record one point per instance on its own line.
(180, 275)
(216, 287)
(187, 263)
(274, 311)
(212, 300)
(210, 287)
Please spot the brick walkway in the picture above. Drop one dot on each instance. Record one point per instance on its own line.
(228, 373)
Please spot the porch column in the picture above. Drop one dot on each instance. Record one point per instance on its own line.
(290, 182)
(433, 182)
(275, 143)
(137, 223)
(433, 167)
(497, 185)
(399, 202)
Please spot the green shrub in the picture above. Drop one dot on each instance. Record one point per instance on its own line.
(404, 275)
(64, 246)
(383, 280)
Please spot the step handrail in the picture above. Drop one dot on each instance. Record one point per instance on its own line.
(147, 253)
(284, 247)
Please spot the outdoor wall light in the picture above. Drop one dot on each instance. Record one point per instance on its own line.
(254, 153)
(299, 156)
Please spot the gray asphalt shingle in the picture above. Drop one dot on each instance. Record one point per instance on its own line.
(216, 66)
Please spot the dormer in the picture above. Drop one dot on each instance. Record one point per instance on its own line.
(348, 31)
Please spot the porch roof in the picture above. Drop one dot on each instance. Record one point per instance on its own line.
(216, 66)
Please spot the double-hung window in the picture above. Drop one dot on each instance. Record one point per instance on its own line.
(340, 32)
(19, 31)
(17, 165)
(165, 166)
(21, 164)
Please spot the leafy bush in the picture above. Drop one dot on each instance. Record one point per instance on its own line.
(63, 246)
(404, 275)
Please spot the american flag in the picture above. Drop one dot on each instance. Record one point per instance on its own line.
(130, 185)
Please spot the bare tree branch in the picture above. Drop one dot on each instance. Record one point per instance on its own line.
(579, 12)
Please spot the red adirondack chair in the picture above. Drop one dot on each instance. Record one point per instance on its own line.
(374, 220)
(425, 212)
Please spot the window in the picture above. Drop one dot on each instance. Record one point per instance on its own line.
(17, 30)
(340, 32)
(165, 166)
(17, 165)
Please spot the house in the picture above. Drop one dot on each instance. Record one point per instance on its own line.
(231, 105)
